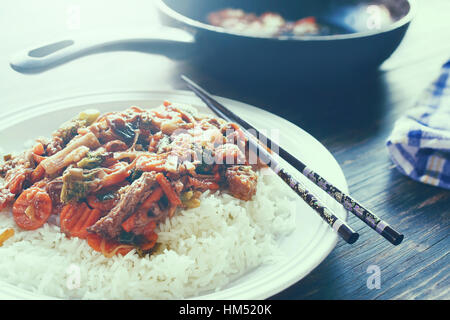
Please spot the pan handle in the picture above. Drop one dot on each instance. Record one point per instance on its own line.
(172, 42)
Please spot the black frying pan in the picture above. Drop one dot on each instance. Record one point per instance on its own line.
(361, 40)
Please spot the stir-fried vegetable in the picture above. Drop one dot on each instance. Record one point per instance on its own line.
(70, 129)
(113, 178)
(102, 202)
(37, 174)
(134, 175)
(38, 149)
(76, 218)
(16, 183)
(203, 184)
(189, 200)
(129, 224)
(32, 209)
(151, 237)
(115, 174)
(73, 152)
(92, 160)
(77, 183)
(168, 190)
(154, 197)
(89, 116)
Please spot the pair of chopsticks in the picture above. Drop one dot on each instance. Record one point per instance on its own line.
(344, 231)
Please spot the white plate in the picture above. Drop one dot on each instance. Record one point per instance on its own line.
(305, 248)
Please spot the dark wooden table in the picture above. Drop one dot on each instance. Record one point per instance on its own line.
(353, 123)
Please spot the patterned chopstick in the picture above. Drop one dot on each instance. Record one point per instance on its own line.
(343, 230)
(347, 201)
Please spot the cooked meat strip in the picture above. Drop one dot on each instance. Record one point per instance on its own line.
(53, 189)
(143, 121)
(124, 126)
(144, 217)
(242, 181)
(103, 130)
(110, 225)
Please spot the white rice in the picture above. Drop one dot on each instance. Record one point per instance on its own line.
(202, 250)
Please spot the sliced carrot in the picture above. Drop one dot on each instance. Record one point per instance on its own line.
(172, 210)
(115, 248)
(16, 183)
(65, 211)
(76, 218)
(147, 246)
(128, 224)
(168, 190)
(115, 178)
(157, 165)
(71, 219)
(107, 248)
(95, 203)
(93, 218)
(119, 172)
(38, 158)
(152, 198)
(150, 227)
(32, 208)
(123, 249)
(38, 149)
(203, 184)
(37, 174)
(94, 241)
(68, 218)
(152, 237)
(84, 213)
(151, 163)
(5, 235)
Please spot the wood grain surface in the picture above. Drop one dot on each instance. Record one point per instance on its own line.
(352, 121)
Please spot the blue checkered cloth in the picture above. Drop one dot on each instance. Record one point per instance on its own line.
(420, 142)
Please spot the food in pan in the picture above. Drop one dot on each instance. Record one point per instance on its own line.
(268, 24)
(159, 203)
